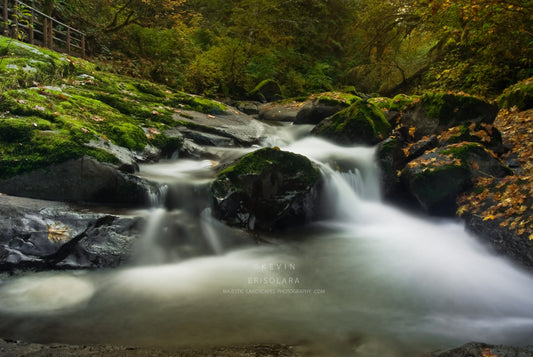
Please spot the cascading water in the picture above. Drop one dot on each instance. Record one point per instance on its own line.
(370, 280)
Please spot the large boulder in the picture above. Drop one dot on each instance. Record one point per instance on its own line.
(436, 111)
(278, 111)
(437, 178)
(361, 123)
(267, 190)
(44, 235)
(80, 180)
(325, 105)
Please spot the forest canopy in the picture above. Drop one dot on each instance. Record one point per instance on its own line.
(226, 47)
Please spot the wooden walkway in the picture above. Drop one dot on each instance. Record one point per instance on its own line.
(25, 23)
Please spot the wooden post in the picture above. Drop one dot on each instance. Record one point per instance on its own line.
(82, 46)
(5, 19)
(31, 27)
(68, 40)
(50, 34)
(15, 24)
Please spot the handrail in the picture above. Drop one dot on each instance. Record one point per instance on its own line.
(71, 40)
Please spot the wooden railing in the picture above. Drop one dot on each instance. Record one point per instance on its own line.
(30, 25)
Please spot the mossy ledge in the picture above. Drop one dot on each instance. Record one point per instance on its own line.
(53, 106)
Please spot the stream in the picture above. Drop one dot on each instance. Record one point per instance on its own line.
(370, 280)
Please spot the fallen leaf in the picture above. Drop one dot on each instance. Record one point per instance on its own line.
(58, 232)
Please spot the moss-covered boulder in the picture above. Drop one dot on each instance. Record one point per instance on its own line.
(360, 123)
(519, 95)
(322, 106)
(436, 111)
(267, 190)
(267, 91)
(437, 178)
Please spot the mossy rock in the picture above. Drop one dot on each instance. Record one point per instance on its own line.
(519, 95)
(267, 91)
(452, 109)
(485, 134)
(267, 189)
(437, 178)
(361, 123)
(324, 105)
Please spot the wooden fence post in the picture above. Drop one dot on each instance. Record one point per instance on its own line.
(31, 28)
(68, 40)
(50, 34)
(5, 19)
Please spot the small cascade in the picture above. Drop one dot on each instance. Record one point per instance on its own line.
(157, 197)
(208, 226)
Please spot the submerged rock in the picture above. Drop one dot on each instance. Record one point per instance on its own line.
(267, 190)
(361, 123)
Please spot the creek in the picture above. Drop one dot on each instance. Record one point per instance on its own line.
(368, 280)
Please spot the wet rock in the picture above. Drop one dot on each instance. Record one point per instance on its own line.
(279, 111)
(267, 190)
(44, 235)
(478, 349)
(437, 111)
(80, 180)
(436, 178)
(316, 110)
(232, 124)
(361, 123)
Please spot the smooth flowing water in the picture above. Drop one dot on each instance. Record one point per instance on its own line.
(370, 280)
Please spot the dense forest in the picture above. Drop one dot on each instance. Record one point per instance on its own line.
(225, 48)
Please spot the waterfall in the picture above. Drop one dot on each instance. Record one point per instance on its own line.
(379, 281)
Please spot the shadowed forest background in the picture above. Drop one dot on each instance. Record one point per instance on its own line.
(224, 48)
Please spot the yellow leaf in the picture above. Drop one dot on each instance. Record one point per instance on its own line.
(412, 131)
(531, 236)
(57, 232)
(490, 216)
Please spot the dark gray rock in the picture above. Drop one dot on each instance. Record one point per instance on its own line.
(267, 190)
(79, 180)
(501, 239)
(241, 128)
(478, 349)
(279, 112)
(44, 235)
(312, 112)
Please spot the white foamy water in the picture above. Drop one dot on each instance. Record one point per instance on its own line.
(370, 280)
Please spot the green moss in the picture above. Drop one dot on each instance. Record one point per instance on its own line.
(362, 122)
(198, 104)
(254, 163)
(519, 95)
(337, 98)
(463, 150)
(127, 135)
(449, 108)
